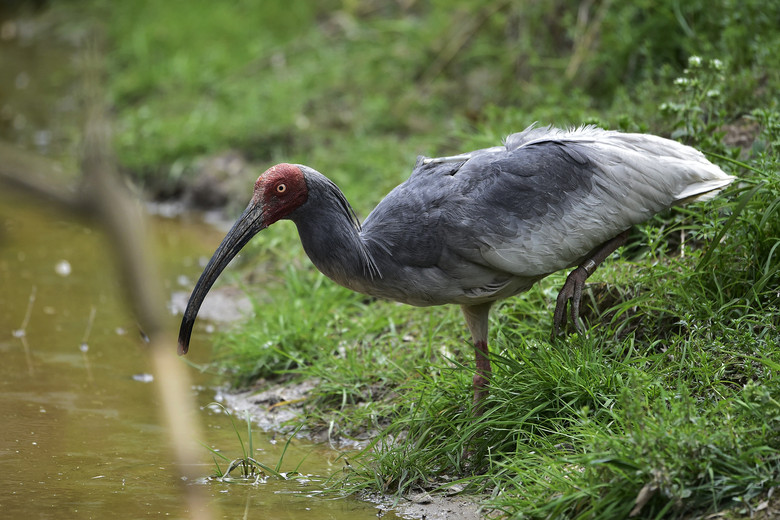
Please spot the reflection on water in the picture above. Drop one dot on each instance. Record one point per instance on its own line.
(80, 434)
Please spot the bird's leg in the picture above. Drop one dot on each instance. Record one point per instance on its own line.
(572, 289)
(477, 321)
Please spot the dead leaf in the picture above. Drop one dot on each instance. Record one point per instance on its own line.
(647, 491)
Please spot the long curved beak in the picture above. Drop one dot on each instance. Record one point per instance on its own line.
(248, 225)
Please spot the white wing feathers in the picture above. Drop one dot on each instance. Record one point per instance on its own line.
(634, 177)
(652, 157)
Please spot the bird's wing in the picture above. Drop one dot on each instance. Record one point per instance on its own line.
(496, 219)
(553, 196)
(406, 224)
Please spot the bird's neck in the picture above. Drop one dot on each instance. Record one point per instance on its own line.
(331, 238)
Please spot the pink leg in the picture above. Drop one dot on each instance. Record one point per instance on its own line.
(481, 379)
(477, 321)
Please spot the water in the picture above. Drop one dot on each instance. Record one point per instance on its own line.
(81, 436)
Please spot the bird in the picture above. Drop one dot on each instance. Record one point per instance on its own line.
(478, 227)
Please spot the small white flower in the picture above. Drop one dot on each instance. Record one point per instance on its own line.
(713, 93)
(716, 64)
(694, 61)
(682, 81)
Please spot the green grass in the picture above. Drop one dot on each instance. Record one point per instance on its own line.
(667, 404)
(357, 89)
(671, 395)
(250, 469)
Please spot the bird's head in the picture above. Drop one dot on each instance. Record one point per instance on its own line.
(279, 191)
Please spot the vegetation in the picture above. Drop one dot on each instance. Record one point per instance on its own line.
(667, 406)
(250, 470)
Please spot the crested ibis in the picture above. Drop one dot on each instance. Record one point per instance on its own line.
(481, 226)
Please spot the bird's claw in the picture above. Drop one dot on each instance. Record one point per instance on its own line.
(571, 290)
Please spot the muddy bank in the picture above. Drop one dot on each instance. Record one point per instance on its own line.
(276, 406)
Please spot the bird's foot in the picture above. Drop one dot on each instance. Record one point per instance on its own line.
(571, 291)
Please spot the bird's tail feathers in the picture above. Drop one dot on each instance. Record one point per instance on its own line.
(705, 190)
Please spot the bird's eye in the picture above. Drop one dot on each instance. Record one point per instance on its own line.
(281, 188)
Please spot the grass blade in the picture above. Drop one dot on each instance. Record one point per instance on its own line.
(743, 201)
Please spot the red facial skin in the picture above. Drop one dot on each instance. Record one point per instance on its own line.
(280, 190)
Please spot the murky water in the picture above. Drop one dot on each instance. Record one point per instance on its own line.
(80, 434)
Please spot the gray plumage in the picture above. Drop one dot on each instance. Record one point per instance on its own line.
(477, 227)
(486, 225)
